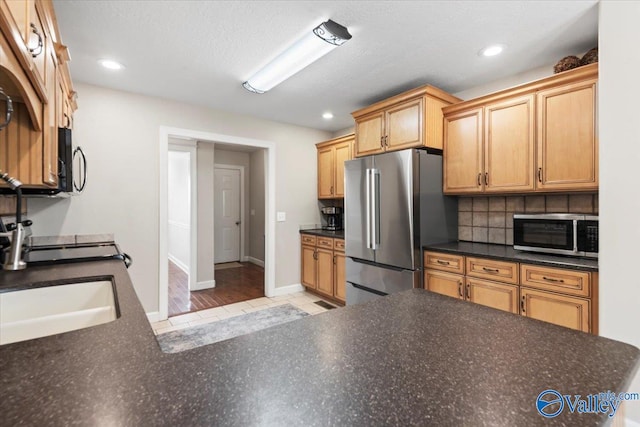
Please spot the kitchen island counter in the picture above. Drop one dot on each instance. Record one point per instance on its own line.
(412, 358)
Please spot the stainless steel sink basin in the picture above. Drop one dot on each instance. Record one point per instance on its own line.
(40, 312)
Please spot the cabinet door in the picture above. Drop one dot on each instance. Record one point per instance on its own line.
(325, 271)
(496, 295)
(567, 138)
(509, 155)
(19, 11)
(463, 166)
(50, 134)
(325, 173)
(339, 281)
(405, 125)
(342, 153)
(558, 309)
(308, 267)
(444, 283)
(369, 133)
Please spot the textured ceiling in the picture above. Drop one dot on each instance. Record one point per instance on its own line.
(201, 51)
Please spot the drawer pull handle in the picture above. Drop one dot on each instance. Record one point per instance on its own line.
(551, 279)
(35, 51)
(491, 270)
(443, 262)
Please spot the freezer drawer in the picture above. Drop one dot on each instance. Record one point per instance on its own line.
(357, 294)
(380, 279)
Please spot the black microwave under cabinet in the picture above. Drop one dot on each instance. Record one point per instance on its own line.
(562, 234)
(72, 170)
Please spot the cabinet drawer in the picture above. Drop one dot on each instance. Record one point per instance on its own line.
(338, 244)
(324, 242)
(308, 239)
(493, 294)
(444, 262)
(568, 282)
(499, 271)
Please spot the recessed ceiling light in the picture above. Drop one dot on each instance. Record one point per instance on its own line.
(327, 115)
(112, 65)
(492, 50)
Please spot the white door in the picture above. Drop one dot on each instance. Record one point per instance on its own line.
(226, 218)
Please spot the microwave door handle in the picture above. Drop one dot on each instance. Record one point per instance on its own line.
(83, 167)
(575, 235)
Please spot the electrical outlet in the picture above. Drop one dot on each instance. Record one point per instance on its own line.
(281, 216)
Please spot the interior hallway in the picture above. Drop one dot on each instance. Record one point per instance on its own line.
(232, 285)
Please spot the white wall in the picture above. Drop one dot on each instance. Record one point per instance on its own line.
(205, 155)
(239, 158)
(619, 36)
(256, 205)
(120, 134)
(506, 83)
(178, 207)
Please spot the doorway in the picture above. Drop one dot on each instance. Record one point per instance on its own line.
(264, 268)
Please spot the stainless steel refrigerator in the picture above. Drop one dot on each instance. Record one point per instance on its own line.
(393, 206)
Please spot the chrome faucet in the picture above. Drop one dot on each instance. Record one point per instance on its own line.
(13, 260)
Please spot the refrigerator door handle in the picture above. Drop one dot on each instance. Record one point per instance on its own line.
(368, 207)
(375, 208)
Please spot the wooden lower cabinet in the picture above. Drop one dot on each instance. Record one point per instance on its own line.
(562, 310)
(308, 267)
(323, 268)
(340, 276)
(442, 283)
(325, 271)
(492, 294)
(560, 296)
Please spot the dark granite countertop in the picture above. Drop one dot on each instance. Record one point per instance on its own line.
(412, 358)
(507, 253)
(339, 234)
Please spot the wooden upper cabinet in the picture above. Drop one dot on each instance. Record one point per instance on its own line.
(538, 137)
(410, 119)
(20, 13)
(331, 157)
(370, 134)
(325, 173)
(509, 145)
(567, 138)
(463, 154)
(405, 125)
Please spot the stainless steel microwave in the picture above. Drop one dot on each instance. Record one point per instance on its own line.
(563, 234)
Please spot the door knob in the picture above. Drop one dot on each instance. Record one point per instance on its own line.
(237, 222)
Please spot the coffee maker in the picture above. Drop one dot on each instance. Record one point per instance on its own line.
(333, 215)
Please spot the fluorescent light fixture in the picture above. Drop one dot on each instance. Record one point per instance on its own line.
(492, 50)
(112, 65)
(317, 43)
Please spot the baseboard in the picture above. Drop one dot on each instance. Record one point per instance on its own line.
(179, 264)
(154, 316)
(284, 290)
(208, 284)
(255, 261)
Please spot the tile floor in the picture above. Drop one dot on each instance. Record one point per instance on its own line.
(303, 300)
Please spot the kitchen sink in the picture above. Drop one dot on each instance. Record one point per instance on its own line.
(50, 310)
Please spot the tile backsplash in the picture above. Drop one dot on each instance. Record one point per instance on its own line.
(490, 219)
